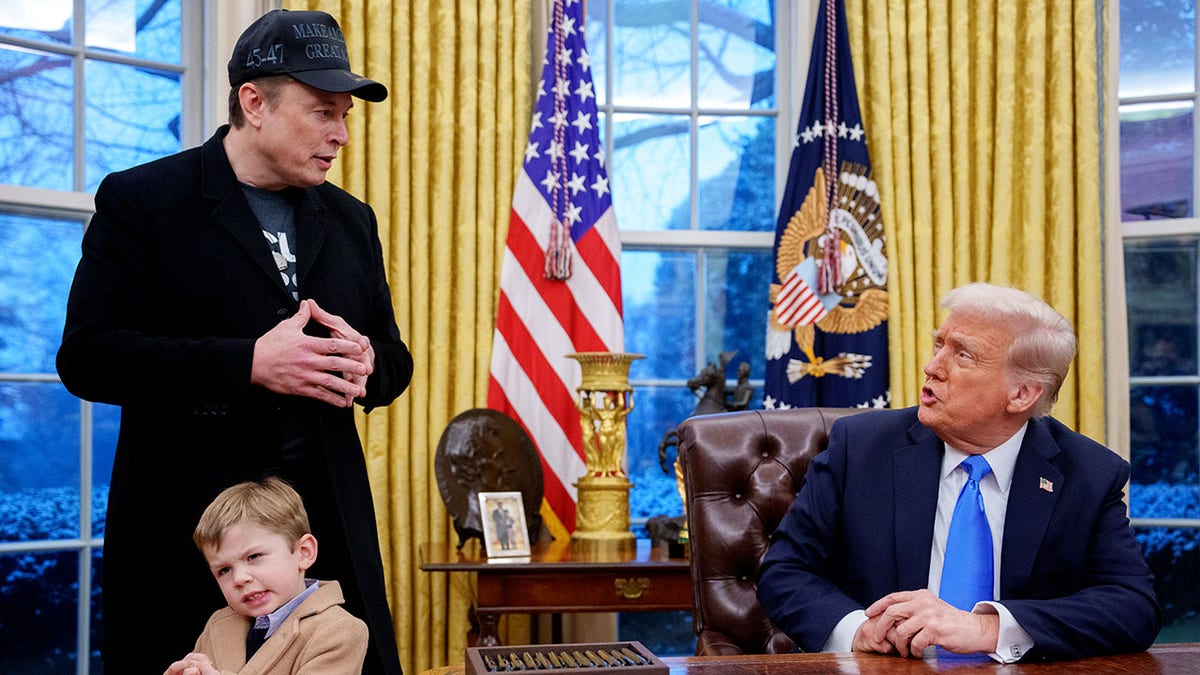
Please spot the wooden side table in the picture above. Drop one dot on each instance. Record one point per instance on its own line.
(556, 578)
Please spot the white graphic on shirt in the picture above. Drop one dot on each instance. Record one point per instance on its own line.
(285, 260)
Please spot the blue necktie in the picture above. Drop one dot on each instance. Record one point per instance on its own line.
(967, 567)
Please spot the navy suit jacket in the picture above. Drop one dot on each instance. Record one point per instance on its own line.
(861, 527)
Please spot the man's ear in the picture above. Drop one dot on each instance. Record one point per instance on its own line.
(307, 547)
(253, 101)
(1025, 397)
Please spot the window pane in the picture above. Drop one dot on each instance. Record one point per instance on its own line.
(1174, 557)
(1162, 299)
(736, 170)
(737, 298)
(38, 601)
(149, 29)
(651, 180)
(652, 53)
(36, 122)
(657, 411)
(597, 45)
(106, 421)
(1156, 161)
(39, 462)
(736, 67)
(1158, 48)
(41, 20)
(94, 664)
(36, 269)
(1162, 430)
(663, 633)
(133, 116)
(659, 296)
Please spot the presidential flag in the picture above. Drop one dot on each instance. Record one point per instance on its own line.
(827, 328)
(560, 281)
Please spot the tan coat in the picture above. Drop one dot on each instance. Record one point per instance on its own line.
(319, 637)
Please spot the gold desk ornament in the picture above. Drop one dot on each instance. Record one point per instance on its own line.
(605, 399)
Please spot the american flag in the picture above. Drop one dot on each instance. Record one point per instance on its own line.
(560, 281)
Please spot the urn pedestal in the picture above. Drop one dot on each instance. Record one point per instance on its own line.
(605, 399)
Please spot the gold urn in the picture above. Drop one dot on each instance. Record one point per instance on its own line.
(605, 399)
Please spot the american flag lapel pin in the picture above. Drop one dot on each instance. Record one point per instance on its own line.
(1045, 485)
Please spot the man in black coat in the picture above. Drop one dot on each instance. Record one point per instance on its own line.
(235, 306)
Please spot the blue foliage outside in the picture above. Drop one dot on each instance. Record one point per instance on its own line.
(1171, 552)
(39, 591)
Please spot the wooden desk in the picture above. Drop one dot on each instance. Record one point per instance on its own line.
(556, 578)
(1167, 659)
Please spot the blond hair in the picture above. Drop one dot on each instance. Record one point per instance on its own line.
(269, 503)
(1045, 343)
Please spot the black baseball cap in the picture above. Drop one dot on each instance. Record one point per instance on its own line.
(307, 45)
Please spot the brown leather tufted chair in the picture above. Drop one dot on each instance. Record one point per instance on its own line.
(742, 471)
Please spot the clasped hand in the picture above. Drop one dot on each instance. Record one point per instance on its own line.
(193, 664)
(333, 369)
(907, 622)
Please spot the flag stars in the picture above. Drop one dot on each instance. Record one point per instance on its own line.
(559, 119)
(819, 130)
(584, 90)
(599, 156)
(550, 182)
(576, 183)
(600, 186)
(563, 57)
(584, 60)
(582, 122)
(580, 153)
(536, 123)
(555, 152)
(568, 25)
(572, 214)
(531, 152)
(561, 89)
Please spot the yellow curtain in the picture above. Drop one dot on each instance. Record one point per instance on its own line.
(437, 161)
(984, 130)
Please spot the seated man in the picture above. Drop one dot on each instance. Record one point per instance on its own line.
(870, 557)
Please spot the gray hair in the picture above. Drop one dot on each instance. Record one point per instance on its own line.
(1045, 343)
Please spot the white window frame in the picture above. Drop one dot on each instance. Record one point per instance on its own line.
(210, 28)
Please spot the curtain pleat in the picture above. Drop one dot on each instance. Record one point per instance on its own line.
(984, 129)
(437, 161)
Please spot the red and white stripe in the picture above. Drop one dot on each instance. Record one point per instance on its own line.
(797, 304)
(539, 322)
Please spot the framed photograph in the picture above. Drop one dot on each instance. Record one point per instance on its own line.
(503, 517)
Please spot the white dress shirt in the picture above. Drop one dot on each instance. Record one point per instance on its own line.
(1013, 641)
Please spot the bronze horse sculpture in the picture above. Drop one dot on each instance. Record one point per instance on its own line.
(715, 398)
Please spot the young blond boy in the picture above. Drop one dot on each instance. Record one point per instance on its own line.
(255, 537)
